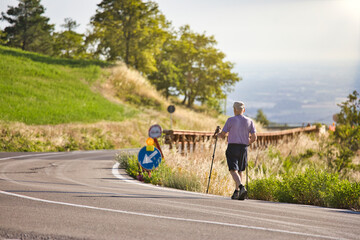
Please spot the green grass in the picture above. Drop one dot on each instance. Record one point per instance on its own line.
(37, 89)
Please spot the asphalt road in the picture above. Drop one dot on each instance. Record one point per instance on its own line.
(83, 195)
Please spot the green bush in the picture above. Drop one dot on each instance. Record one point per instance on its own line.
(263, 189)
(313, 187)
(346, 138)
(344, 194)
(283, 192)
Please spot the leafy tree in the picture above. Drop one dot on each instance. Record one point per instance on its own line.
(129, 30)
(70, 25)
(203, 71)
(261, 118)
(28, 29)
(69, 43)
(166, 78)
(346, 138)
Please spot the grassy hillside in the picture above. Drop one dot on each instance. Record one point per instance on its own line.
(37, 89)
(50, 104)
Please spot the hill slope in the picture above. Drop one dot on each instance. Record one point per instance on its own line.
(37, 89)
(50, 104)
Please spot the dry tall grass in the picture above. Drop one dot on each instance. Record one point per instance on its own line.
(198, 163)
(123, 84)
(263, 162)
(129, 83)
(75, 136)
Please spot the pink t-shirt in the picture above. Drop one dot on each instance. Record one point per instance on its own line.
(239, 127)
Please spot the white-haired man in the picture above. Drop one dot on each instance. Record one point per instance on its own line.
(242, 133)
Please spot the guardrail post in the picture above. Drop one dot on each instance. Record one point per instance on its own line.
(194, 143)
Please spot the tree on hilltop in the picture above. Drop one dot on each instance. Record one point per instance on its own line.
(68, 43)
(129, 30)
(261, 118)
(167, 76)
(29, 29)
(190, 65)
(204, 73)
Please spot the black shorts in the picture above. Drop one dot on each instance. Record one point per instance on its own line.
(236, 156)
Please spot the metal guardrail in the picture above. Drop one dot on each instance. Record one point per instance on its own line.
(267, 138)
(180, 138)
(190, 138)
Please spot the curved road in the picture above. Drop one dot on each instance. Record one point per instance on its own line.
(83, 195)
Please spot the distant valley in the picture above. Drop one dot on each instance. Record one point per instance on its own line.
(295, 93)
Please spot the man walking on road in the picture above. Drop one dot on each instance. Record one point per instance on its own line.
(239, 128)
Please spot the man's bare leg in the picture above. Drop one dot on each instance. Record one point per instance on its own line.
(241, 175)
(237, 178)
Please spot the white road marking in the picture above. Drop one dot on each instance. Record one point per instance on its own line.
(167, 217)
(52, 153)
(31, 155)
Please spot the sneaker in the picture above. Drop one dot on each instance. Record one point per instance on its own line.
(235, 195)
(242, 193)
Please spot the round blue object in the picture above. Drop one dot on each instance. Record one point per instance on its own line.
(149, 159)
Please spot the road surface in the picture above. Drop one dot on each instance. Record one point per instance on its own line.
(84, 195)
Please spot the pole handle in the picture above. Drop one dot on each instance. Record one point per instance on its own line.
(217, 130)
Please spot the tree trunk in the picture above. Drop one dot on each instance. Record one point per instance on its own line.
(190, 101)
(184, 101)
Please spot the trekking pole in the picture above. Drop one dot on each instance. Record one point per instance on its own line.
(247, 177)
(212, 162)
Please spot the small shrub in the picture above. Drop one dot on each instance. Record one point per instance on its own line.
(344, 194)
(284, 193)
(263, 189)
(132, 166)
(311, 187)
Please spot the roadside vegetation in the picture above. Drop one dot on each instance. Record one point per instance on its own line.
(292, 172)
(321, 170)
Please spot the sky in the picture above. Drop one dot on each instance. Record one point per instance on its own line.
(251, 31)
(259, 33)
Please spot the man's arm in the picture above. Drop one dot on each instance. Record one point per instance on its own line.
(253, 138)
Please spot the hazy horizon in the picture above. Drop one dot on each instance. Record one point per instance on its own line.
(295, 93)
